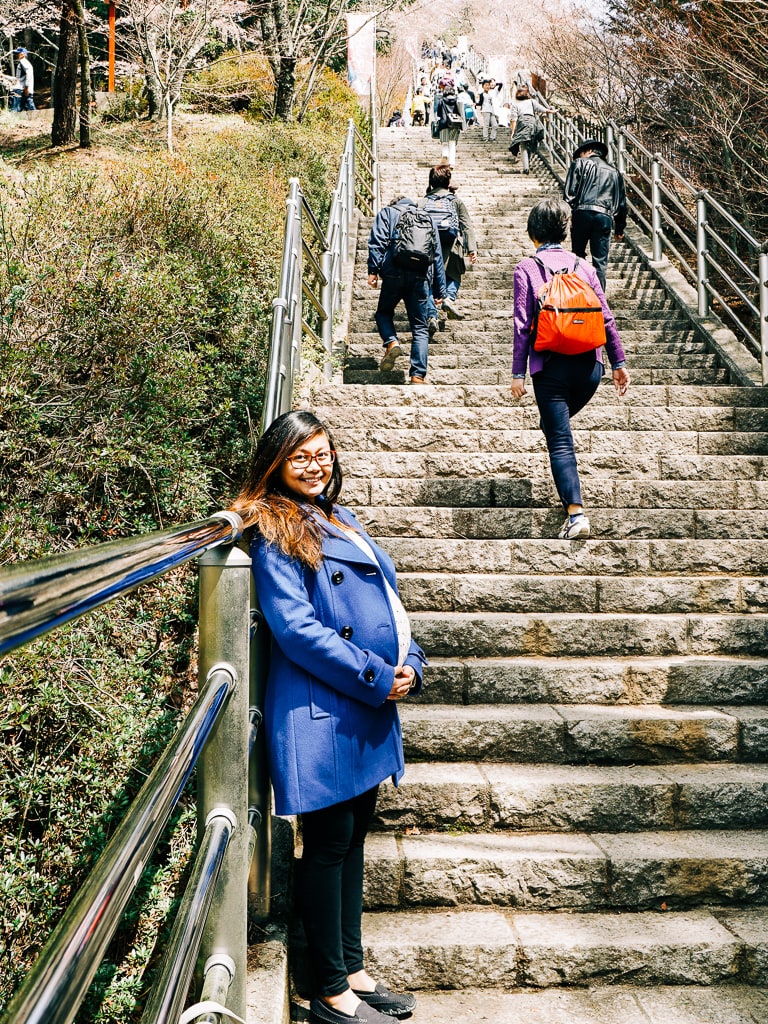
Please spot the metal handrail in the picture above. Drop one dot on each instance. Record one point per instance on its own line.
(38, 596)
(658, 198)
(59, 979)
(319, 283)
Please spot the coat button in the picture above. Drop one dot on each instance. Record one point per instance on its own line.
(369, 676)
(346, 632)
(337, 577)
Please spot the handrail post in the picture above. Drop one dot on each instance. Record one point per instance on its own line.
(701, 254)
(762, 274)
(259, 789)
(569, 146)
(609, 141)
(658, 244)
(225, 576)
(327, 293)
(295, 298)
(621, 153)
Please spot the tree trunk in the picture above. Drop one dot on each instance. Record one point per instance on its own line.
(85, 78)
(154, 95)
(65, 79)
(285, 89)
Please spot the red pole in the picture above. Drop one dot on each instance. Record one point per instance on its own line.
(111, 72)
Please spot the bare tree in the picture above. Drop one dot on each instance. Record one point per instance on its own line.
(169, 37)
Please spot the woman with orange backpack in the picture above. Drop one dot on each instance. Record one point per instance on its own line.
(562, 342)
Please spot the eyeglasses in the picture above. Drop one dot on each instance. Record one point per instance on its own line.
(303, 461)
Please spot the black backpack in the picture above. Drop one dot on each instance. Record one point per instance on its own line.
(445, 216)
(414, 245)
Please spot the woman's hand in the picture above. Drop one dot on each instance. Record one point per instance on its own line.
(518, 387)
(373, 281)
(472, 258)
(621, 380)
(401, 687)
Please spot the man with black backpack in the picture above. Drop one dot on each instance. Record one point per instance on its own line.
(457, 239)
(404, 251)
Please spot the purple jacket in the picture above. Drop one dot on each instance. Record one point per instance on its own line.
(529, 277)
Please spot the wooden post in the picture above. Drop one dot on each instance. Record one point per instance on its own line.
(111, 48)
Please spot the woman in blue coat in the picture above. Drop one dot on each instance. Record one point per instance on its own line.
(342, 656)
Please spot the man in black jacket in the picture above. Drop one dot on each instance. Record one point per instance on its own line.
(594, 190)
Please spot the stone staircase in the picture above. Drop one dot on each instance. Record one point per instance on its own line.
(580, 833)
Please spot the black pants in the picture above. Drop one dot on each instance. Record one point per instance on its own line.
(331, 889)
(594, 229)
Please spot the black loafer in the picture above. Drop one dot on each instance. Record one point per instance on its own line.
(321, 1013)
(393, 1004)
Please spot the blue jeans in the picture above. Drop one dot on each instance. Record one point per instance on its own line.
(588, 227)
(562, 388)
(20, 102)
(413, 290)
(451, 291)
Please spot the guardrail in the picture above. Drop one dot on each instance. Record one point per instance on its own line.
(723, 261)
(312, 267)
(230, 876)
(36, 597)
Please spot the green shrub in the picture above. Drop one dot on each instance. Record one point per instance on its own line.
(135, 305)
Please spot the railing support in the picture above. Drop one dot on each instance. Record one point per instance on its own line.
(225, 580)
(326, 301)
(701, 254)
(762, 274)
(657, 239)
(259, 791)
(621, 155)
(610, 143)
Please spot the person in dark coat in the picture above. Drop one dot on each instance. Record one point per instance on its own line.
(594, 190)
(397, 283)
(341, 658)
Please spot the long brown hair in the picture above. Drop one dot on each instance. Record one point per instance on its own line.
(264, 502)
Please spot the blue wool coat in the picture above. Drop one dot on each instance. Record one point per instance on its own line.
(331, 732)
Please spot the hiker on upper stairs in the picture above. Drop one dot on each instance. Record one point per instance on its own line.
(407, 276)
(457, 239)
(562, 384)
(594, 190)
(525, 126)
(450, 122)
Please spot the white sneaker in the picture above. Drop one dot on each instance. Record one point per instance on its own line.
(575, 528)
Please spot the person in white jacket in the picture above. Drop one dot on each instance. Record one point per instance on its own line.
(488, 105)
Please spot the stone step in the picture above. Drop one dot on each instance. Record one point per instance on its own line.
(454, 949)
(733, 481)
(605, 558)
(507, 592)
(606, 1004)
(478, 442)
(585, 634)
(498, 355)
(521, 416)
(583, 734)
(428, 522)
(725, 681)
(488, 797)
(566, 871)
(469, 395)
(488, 376)
(456, 336)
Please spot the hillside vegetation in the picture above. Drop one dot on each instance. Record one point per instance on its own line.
(135, 301)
